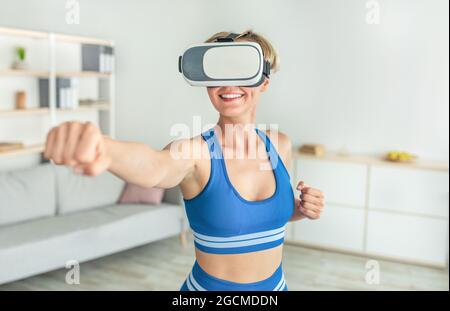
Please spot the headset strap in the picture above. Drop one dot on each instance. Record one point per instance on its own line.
(229, 38)
(266, 69)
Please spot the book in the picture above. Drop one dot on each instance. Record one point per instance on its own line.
(44, 101)
(67, 90)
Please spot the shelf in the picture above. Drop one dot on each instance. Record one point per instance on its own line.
(32, 149)
(82, 108)
(24, 73)
(28, 111)
(374, 160)
(58, 37)
(50, 42)
(23, 33)
(82, 40)
(82, 74)
(46, 74)
(100, 106)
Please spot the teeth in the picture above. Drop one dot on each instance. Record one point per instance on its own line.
(231, 96)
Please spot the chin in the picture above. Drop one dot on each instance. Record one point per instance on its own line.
(232, 110)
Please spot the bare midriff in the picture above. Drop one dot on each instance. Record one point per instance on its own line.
(241, 268)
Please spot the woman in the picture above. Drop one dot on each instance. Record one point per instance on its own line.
(237, 209)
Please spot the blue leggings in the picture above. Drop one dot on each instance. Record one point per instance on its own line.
(199, 280)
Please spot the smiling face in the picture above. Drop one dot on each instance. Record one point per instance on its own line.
(235, 101)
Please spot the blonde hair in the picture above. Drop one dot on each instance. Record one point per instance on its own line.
(269, 52)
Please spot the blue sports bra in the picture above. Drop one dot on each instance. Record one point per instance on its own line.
(223, 222)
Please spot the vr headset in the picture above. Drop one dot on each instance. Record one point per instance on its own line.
(224, 63)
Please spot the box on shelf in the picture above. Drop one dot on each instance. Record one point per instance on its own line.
(313, 149)
(98, 58)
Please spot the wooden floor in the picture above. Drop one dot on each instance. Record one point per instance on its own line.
(163, 265)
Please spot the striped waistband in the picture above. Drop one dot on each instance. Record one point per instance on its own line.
(243, 240)
(200, 280)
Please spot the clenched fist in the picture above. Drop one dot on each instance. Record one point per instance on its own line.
(79, 145)
(310, 204)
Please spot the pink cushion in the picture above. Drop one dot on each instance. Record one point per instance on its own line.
(134, 194)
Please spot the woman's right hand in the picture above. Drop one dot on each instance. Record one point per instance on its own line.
(79, 145)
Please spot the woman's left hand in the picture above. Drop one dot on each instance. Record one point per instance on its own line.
(311, 203)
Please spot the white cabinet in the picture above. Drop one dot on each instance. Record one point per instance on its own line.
(342, 183)
(339, 227)
(377, 209)
(409, 191)
(408, 237)
(289, 234)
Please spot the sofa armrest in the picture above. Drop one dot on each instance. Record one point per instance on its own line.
(173, 196)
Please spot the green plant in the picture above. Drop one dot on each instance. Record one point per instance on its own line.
(21, 53)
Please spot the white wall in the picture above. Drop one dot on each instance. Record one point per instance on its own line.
(344, 83)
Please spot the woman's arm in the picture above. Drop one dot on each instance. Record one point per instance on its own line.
(83, 147)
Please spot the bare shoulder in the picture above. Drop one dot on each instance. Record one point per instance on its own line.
(188, 148)
(282, 143)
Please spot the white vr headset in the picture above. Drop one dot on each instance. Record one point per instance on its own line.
(224, 63)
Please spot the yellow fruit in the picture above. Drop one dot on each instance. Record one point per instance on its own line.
(393, 155)
(399, 156)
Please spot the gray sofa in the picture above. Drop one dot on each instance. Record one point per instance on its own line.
(49, 216)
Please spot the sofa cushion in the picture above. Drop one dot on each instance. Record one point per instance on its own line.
(46, 244)
(77, 192)
(27, 194)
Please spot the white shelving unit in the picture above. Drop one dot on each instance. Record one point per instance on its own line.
(377, 208)
(52, 115)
